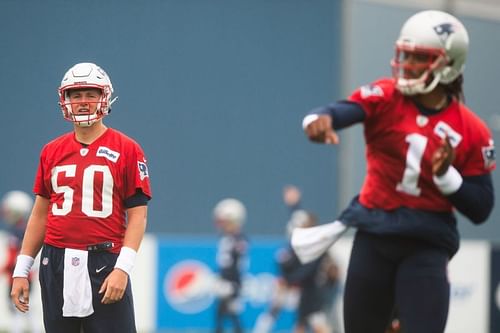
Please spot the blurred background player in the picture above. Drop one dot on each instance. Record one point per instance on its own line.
(428, 155)
(15, 208)
(307, 288)
(285, 295)
(229, 217)
(316, 281)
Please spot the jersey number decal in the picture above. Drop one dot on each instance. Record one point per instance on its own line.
(87, 190)
(409, 183)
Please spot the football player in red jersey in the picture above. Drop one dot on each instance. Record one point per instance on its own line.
(89, 216)
(427, 154)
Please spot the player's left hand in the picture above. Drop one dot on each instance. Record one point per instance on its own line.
(114, 286)
(442, 158)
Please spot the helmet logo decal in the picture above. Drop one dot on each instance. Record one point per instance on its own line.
(86, 75)
(444, 30)
(443, 39)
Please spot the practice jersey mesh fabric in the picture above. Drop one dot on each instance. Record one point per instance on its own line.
(400, 142)
(87, 186)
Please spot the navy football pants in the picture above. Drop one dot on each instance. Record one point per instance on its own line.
(391, 272)
(107, 318)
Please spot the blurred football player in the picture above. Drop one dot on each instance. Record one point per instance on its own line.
(229, 217)
(307, 288)
(89, 216)
(427, 154)
(313, 280)
(285, 295)
(15, 208)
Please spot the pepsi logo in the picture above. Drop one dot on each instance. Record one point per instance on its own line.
(188, 286)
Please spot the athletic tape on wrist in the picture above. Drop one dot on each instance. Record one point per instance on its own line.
(450, 182)
(23, 266)
(126, 259)
(309, 119)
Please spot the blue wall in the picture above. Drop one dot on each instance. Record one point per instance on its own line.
(214, 90)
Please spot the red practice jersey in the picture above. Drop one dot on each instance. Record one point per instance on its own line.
(400, 142)
(87, 188)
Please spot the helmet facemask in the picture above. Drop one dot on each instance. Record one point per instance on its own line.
(82, 76)
(417, 70)
(83, 119)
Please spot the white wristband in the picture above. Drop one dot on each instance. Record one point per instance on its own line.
(450, 182)
(23, 266)
(126, 259)
(309, 119)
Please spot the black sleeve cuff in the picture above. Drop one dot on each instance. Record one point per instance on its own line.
(138, 199)
(474, 198)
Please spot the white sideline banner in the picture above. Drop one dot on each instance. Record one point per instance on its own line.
(144, 288)
(469, 274)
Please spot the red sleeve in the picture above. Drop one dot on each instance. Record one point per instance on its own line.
(481, 155)
(372, 96)
(39, 185)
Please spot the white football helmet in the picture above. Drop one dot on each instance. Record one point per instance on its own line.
(86, 75)
(230, 210)
(16, 207)
(440, 43)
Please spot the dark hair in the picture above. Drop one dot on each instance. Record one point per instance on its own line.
(455, 88)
